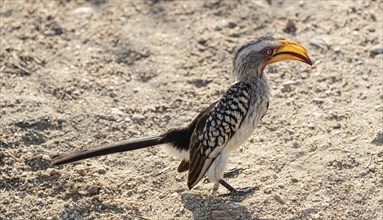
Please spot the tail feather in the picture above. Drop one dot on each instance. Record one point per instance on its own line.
(108, 149)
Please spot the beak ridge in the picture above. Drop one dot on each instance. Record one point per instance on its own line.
(290, 50)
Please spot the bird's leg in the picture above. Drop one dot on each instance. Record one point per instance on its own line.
(227, 186)
(233, 191)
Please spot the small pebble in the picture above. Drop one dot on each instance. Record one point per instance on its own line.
(376, 49)
(337, 49)
(16, 25)
(46, 157)
(378, 140)
(117, 111)
(202, 41)
(101, 170)
(138, 117)
(201, 47)
(82, 10)
(267, 190)
(53, 172)
(321, 41)
(231, 24)
(318, 101)
(83, 192)
(337, 126)
(93, 190)
(106, 203)
(290, 28)
(295, 145)
(325, 204)
(294, 180)
(217, 28)
(279, 198)
(81, 170)
(290, 84)
(372, 168)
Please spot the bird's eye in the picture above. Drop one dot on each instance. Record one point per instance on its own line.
(269, 51)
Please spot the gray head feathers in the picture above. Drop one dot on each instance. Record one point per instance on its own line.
(248, 59)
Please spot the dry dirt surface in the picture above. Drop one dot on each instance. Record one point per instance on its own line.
(75, 74)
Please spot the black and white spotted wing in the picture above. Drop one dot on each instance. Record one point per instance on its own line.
(214, 130)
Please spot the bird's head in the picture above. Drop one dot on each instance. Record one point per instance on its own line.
(253, 57)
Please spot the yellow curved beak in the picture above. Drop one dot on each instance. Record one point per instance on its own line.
(291, 51)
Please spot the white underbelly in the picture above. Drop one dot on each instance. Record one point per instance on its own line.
(217, 168)
(247, 127)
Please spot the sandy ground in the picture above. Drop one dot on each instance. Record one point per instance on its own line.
(75, 74)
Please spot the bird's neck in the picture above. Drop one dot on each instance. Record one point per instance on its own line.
(249, 75)
(258, 82)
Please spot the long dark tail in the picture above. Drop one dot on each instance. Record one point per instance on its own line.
(177, 138)
(108, 149)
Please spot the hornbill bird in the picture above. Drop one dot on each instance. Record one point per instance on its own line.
(205, 144)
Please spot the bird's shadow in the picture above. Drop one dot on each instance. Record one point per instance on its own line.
(215, 207)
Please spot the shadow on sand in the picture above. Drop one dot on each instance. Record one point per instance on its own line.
(216, 207)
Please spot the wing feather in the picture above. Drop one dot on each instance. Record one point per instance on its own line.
(215, 129)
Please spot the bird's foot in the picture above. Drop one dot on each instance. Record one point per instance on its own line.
(240, 192)
(235, 192)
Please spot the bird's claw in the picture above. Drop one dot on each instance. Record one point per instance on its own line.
(240, 192)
